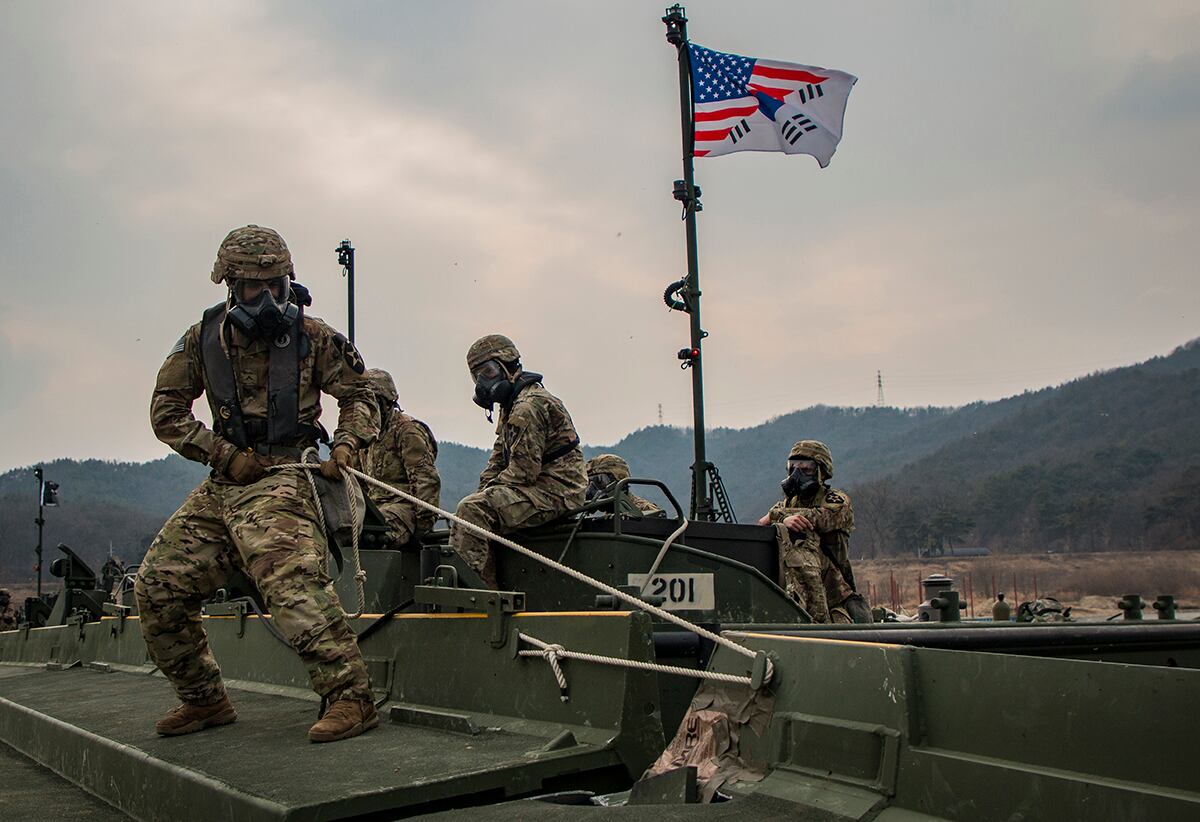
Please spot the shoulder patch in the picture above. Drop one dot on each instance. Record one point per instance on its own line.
(349, 353)
(835, 498)
(178, 347)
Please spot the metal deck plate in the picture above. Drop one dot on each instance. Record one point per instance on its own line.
(98, 730)
(28, 792)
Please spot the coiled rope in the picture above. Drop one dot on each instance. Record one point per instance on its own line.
(551, 653)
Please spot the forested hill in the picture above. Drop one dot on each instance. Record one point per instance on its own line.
(1111, 460)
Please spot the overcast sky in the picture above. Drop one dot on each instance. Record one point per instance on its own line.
(1014, 202)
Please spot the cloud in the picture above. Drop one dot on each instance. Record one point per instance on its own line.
(974, 235)
(1157, 93)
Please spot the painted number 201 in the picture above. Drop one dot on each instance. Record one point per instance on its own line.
(677, 590)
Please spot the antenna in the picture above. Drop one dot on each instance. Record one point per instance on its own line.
(660, 422)
(879, 384)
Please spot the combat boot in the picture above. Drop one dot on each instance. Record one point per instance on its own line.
(344, 719)
(189, 718)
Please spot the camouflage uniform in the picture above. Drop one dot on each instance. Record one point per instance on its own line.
(402, 456)
(111, 575)
(811, 572)
(267, 528)
(815, 564)
(8, 612)
(618, 469)
(518, 487)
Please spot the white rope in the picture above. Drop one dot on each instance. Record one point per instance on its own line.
(360, 576)
(662, 552)
(552, 653)
(666, 616)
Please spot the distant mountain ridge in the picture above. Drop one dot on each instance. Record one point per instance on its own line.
(1109, 459)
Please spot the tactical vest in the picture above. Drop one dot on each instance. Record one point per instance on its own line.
(282, 425)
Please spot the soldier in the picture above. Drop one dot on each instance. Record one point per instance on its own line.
(8, 614)
(606, 470)
(536, 470)
(813, 523)
(402, 456)
(262, 365)
(111, 574)
(1001, 610)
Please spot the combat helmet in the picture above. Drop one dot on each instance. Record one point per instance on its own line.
(252, 253)
(816, 451)
(608, 464)
(491, 347)
(382, 384)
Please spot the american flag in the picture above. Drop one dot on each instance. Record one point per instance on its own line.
(746, 104)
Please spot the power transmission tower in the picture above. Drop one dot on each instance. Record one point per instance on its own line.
(879, 384)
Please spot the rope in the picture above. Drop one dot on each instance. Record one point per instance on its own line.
(666, 616)
(662, 552)
(551, 657)
(552, 653)
(306, 467)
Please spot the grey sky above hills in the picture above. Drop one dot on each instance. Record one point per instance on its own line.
(1013, 204)
(1088, 431)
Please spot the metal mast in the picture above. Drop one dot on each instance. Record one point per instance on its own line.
(40, 522)
(685, 192)
(345, 253)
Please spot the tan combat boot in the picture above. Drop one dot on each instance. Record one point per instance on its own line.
(189, 718)
(344, 719)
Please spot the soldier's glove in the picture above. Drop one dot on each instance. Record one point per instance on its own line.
(342, 456)
(245, 468)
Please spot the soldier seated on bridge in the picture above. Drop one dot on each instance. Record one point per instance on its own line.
(813, 524)
(604, 472)
(403, 456)
(535, 471)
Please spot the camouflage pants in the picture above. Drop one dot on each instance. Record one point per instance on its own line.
(500, 509)
(810, 578)
(268, 529)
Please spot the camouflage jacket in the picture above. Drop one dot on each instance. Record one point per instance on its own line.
(8, 617)
(332, 365)
(832, 517)
(537, 425)
(648, 508)
(645, 506)
(404, 456)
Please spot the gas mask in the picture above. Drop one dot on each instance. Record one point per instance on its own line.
(263, 315)
(598, 484)
(492, 385)
(802, 480)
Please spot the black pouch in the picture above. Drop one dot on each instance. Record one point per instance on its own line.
(341, 524)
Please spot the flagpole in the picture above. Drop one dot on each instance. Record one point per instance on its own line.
(686, 192)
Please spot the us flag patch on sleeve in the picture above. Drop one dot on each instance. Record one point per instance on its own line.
(178, 346)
